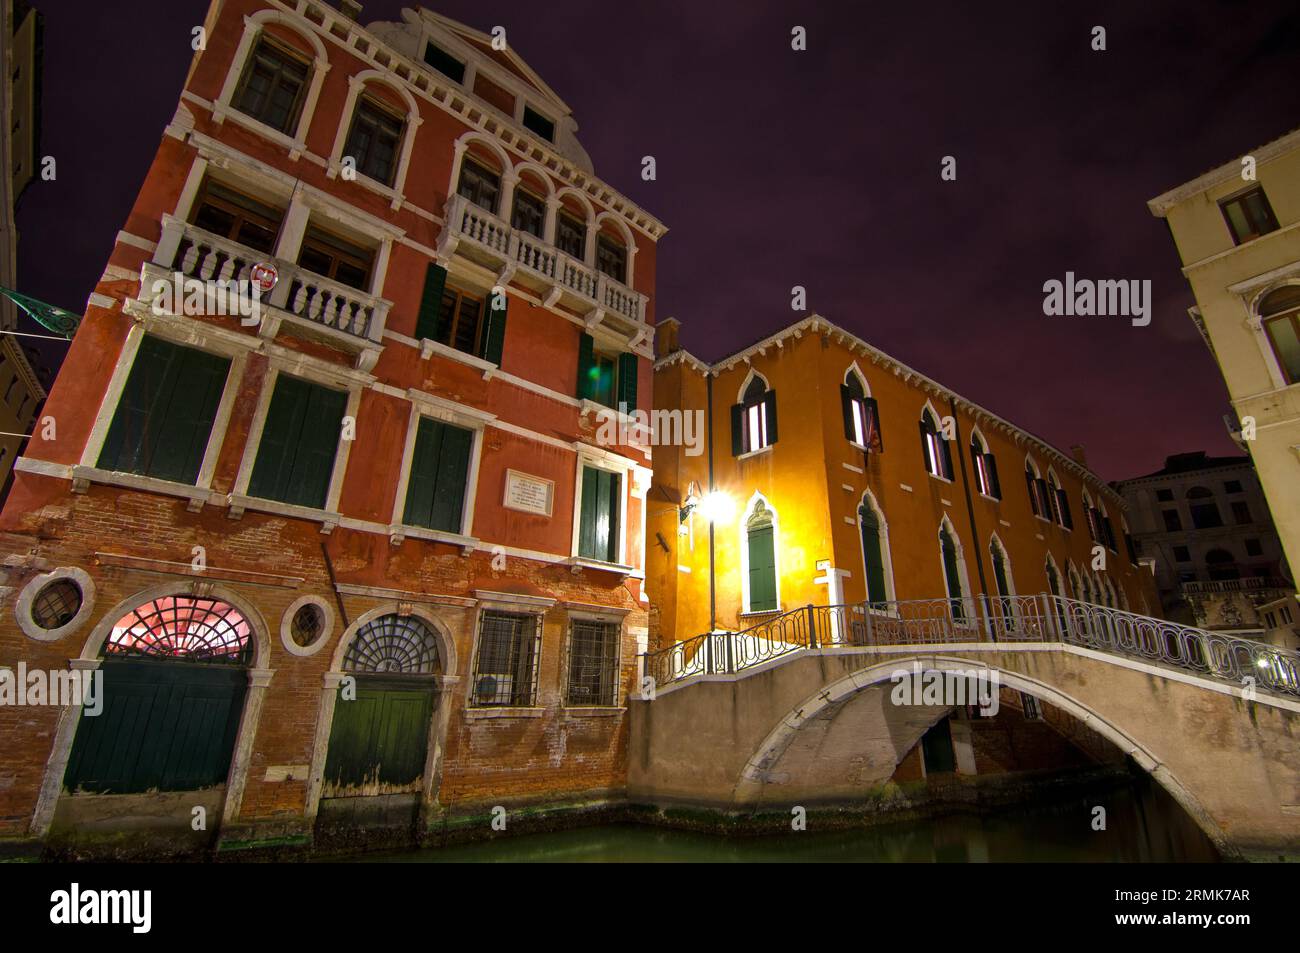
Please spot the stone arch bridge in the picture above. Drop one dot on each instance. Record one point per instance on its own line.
(797, 710)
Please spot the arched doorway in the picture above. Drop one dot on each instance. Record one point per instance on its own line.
(379, 738)
(174, 675)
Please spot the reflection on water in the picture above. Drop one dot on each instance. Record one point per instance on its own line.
(1142, 824)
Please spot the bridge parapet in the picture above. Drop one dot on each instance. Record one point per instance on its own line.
(1044, 618)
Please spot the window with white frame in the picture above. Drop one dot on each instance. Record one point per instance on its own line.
(374, 140)
(861, 414)
(274, 85)
(592, 676)
(753, 420)
(934, 448)
(600, 514)
(985, 467)
(505, 670)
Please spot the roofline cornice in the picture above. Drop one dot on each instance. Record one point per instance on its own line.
(1161, 204)
(441, 92)
(815, 323)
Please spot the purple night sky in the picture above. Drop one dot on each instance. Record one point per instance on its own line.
(821, 168)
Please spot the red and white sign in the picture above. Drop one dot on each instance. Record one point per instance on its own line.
(264, 276)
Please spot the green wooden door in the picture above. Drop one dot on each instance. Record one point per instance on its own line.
(165, 726)
(762, 569)
(380, 737)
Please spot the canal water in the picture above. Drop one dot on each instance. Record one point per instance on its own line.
(1142, 824)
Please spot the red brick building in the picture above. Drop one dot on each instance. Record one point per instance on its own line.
(357, 556)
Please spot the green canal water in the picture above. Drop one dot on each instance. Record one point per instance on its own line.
(1142, 824)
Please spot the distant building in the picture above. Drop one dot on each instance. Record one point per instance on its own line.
(21, 389)
(1237, 229)
(1218, 560)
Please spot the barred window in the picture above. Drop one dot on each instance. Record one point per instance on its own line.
(506, 671)
(593, 663)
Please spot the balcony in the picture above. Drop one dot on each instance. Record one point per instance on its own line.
(558, 278)
(1249, 584)
(301, 303)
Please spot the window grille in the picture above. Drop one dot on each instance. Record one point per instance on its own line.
(593, 663)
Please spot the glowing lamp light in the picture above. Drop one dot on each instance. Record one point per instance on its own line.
(717, 507)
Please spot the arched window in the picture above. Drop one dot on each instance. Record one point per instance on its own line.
(374, 140)
(875, 552)
(393, 645)
(480, 181)
(950, 554)
(274, 85)
(182, 628)
(1205, 512)
(1221, 564)
(611, 256)
(934, 448)
(1280, 311)
(753, 420)
(984, 466)
(1001, 568)
(1039, 500)
(1060, 501)
(861, 415)
(760, 567)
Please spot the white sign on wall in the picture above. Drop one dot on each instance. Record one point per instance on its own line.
(529, 494)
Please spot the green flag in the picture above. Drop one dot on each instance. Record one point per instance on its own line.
(47, 315)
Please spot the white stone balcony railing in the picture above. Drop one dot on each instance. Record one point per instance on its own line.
(343, 314)
(1247, 584)
(532, 256)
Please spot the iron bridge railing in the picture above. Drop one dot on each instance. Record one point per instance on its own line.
(1014, 619)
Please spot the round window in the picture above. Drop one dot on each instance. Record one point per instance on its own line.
(56, 604)
(307, 625)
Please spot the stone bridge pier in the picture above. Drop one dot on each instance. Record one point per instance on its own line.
(819, 726)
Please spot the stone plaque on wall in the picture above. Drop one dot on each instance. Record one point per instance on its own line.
(529, 494)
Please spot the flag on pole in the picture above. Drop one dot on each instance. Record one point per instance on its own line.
(47, 315)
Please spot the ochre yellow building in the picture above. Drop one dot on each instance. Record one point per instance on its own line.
(838, 477)
(1238, 233)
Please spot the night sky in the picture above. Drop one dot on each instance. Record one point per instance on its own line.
(821, 168)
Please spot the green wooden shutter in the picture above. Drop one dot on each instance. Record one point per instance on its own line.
(769, 404)
(423, 480)
(951, 574)
(318, 445)
(991, 466)
(300, 438)
(627, 371)
(164, 417)
(873, 555)
(762, 569)
(1000, 573)
(588, 515)
(846, 408)
(875, 440)
(494, 336)
(453, 470)
(130, 436)
(187, 422)
(737, 429)
(273, 468)
(599, 517)
(586, 366)
(431, 322)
